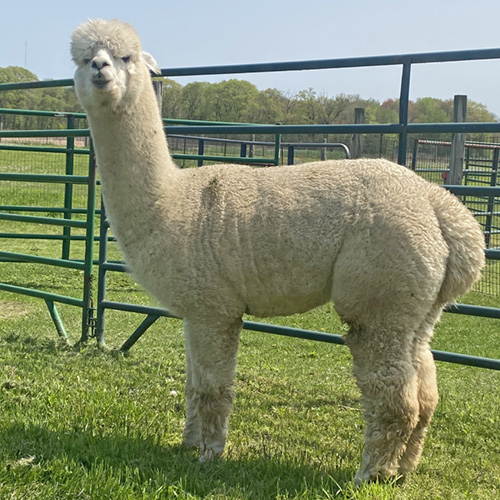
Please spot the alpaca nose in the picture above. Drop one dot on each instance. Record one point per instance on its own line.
(99, 63)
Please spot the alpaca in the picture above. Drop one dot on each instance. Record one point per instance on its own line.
(211, 244)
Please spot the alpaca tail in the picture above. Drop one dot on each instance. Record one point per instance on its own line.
(465, 241)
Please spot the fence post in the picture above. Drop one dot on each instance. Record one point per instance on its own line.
(88, 324)
(357, 139)
(457, 143)
(322, 151)
(252, 146)
(404, 102)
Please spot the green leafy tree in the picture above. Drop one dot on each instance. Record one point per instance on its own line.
(172, 99)
(230, 100)
(477, 112)
(387, 112)
(431, 110)
(194, 101)
(16, 99)
(266, 107)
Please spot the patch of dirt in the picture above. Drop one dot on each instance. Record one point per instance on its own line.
(12, 309)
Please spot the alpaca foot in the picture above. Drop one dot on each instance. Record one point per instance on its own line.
(364, 477)
(210, 452)
(191, 435)
(191, 441)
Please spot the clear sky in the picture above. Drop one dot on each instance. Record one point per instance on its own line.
(184, 33)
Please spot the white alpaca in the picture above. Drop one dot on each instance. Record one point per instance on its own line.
(214, 243)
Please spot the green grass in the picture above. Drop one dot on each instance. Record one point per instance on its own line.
(92, 425)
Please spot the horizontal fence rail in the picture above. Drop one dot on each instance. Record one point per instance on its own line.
(352, 62)
(411, 128)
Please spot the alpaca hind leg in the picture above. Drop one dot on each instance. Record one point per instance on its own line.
(388, 382)
(427, 392)
(212, 347)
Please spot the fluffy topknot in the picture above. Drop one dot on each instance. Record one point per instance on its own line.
(119, 37)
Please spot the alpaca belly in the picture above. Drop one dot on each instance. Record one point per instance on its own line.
(290, 297)
(286, 305)
(291, 279)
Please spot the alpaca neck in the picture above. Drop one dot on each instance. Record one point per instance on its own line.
(133, 162)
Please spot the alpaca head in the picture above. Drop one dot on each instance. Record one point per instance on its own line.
(111, 69)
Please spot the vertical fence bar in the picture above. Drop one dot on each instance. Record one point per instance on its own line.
(277, 150)
(102, 275)
(414, 156)
(243, 150)
(68, 188)
(490, 209)
(56, 319)
(87, 313)
(201, 150)
(403, 112)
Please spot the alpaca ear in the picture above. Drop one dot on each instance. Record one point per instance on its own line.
(151, 63)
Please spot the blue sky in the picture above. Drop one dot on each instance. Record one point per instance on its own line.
(183, 33)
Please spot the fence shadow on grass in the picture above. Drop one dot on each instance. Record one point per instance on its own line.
(140, 460)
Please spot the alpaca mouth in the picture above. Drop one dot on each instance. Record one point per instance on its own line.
(100, 83)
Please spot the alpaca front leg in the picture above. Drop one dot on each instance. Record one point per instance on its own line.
(212, 348)
(191, 432)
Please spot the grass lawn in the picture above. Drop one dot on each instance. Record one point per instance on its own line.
(94, 425)
(91, 425)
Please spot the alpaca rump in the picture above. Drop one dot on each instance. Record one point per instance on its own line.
(212, 244)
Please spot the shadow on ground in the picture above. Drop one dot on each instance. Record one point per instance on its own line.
(254, 478)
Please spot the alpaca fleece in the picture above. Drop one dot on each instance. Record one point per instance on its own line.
(211, 244)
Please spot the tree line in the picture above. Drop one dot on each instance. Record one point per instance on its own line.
(235, 101)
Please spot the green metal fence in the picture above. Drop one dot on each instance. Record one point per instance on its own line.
(403, 129)
(59, 222)
(95, 327)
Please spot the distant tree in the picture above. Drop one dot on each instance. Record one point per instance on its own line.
(172, 99)
(17, 99)
(12, 74)
(231, 100)
(477, 112)
(431, 110)
(288, 105)
(194, 101)
(308, 108)
(266, 107)
(387, 112)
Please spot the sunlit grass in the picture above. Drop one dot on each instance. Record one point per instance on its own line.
(91, 425)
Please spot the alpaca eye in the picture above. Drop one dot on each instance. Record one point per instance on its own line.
(86, 61)
(126, 59)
